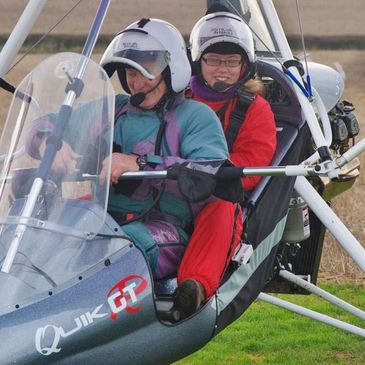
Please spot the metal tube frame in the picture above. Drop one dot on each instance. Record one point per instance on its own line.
(311, 314)
(20, 33)
(307, 108)
(326, 215)
(314, 289)
(295, 279)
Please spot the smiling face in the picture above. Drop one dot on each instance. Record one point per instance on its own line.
(138, 83)
(214, 70)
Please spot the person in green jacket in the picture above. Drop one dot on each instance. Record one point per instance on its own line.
(155, 128)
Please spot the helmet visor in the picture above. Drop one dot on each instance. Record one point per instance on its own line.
(138, 50)
(149, 63)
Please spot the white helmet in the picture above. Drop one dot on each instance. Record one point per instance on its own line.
(222, 27)
(151, 46)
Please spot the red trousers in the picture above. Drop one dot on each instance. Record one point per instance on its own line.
(217, 232)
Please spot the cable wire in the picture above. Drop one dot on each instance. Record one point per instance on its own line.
(308, 86)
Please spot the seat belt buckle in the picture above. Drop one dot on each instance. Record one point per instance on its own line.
(242, 253)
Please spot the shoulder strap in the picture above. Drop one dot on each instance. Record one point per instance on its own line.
(237, 117)
(120, 110)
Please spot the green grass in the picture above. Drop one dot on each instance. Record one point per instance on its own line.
(269, 335)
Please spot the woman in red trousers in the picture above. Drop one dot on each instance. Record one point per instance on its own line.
(222, 51)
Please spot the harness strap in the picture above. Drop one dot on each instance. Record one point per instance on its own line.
(151, 212)
(122, 110)
(232, 247)
(237, 117)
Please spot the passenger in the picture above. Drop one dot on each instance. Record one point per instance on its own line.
(222, 51)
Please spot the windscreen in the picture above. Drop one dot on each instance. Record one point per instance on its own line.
(66, 102)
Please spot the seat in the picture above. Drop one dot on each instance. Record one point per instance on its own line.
(264, 214)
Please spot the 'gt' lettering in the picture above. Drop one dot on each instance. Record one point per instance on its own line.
(123, 295)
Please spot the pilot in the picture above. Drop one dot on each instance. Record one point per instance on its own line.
(156, 127)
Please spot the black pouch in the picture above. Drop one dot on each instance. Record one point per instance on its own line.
(229, 189)
(198, 181)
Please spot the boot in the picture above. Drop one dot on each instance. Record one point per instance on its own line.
(188, 297)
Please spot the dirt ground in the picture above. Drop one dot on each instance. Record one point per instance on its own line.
(325, 17)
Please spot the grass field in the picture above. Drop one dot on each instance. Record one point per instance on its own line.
(267, 335)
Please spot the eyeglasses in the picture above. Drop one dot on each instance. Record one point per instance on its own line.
(217, 62)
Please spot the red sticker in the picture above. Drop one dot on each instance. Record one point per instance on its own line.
(124, 295)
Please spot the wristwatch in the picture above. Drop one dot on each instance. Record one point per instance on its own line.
(141, 162)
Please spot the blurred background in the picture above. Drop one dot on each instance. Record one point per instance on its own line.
(325, 18)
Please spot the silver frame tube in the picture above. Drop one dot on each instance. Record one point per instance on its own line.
(311, 314)
(326, 215)
(322, 293)
(307, 108)
(20, 33)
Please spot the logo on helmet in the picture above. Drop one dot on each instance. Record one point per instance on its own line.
(222, 31)
(130, 45)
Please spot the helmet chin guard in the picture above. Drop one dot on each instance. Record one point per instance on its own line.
(150, 46)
